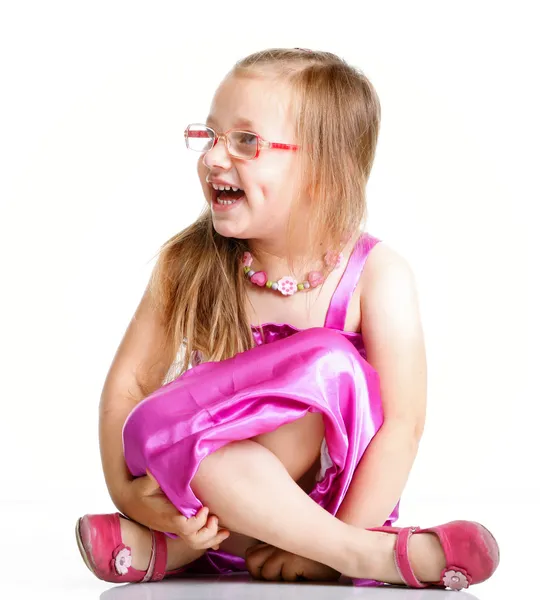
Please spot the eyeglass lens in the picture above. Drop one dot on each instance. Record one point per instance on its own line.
(241, 143)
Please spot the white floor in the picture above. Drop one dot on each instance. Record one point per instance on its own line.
(40, 559)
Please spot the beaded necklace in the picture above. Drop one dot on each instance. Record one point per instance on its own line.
(288, 285)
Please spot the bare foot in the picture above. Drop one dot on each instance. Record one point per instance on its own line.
(139, 539)
(425, 553)
(237, 544)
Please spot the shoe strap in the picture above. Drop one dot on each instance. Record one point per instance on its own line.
(401, 557)
(158, 558)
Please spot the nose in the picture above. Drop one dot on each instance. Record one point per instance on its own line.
(218, 155)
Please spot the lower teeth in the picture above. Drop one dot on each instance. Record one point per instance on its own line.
(220, 201)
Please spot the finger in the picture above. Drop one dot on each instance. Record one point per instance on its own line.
(211, 533)
(273, 566)
(260, 550)
(192, 525)
(289, 573)
(294, 569)
(221, 537)
(257, 558)
(209, 530)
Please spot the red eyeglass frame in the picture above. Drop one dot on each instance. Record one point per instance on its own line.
(262, 144)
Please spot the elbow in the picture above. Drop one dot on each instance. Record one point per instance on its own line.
(418, 430)
(417, 426)
(407, 427)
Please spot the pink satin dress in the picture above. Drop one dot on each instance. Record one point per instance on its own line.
(288, 373)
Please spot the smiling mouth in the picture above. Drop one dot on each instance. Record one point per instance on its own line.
(227, 197)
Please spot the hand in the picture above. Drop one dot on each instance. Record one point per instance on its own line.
(264, 561)
(145, 503)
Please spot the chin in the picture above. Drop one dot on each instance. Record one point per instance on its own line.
(229, 229)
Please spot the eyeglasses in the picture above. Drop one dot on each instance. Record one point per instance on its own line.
(240, 144)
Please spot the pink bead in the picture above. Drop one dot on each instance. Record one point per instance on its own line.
(247, 259)
(333, 259)
(315, 278)
(259, 278)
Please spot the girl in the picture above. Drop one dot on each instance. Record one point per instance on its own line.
(298, 434)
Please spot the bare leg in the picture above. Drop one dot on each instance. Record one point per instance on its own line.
(139, 539)
(251, 492)
(297, 444)
(238, 543)
(285, 442)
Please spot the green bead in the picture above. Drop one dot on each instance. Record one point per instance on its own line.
(246, 269)
(300, 286)
(269, 283)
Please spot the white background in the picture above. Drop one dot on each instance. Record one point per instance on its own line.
(94, 176)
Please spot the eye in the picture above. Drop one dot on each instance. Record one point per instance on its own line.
(246, 138)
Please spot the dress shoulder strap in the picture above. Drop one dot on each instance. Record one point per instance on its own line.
(337, 311)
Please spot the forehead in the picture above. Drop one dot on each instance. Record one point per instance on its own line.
(261, 105)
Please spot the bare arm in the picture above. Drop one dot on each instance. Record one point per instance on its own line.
(138, 368)
(394, 341)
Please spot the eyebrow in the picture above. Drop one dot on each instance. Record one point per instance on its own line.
(239, 122)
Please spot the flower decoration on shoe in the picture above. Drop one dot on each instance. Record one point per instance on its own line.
(121, 560)
(455, 578)
(287, 285)
(247, 259)
(333, 259)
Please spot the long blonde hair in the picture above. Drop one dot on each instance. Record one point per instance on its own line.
(197, 284)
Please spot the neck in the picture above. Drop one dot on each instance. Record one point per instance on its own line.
(271, 256)
(273, 259)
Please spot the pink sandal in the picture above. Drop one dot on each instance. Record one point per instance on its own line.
(472, 554)
(100, 544)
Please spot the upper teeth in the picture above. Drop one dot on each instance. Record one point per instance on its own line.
(224, 187)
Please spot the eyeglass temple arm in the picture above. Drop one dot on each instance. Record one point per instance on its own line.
(265, 144)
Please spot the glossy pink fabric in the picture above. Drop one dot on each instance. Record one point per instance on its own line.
(288, 373)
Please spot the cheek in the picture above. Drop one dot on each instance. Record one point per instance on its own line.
(271, 189)
(202, 172)
(278, 199)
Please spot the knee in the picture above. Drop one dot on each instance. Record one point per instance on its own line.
(297, 443)
(236, 456)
